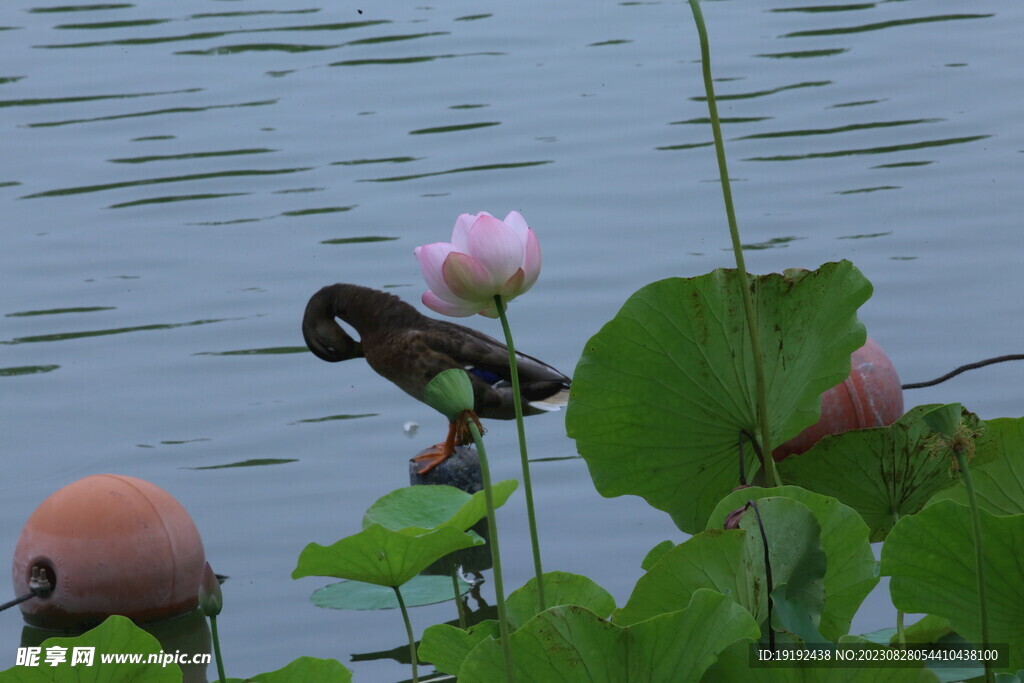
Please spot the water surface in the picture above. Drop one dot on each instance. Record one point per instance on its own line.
(178, 178)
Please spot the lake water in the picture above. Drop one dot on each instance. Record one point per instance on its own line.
(178, 178)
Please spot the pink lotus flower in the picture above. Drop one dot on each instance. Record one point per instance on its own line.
(486, 258)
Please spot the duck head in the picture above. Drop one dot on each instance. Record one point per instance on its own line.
(324, 336)
(371, 312)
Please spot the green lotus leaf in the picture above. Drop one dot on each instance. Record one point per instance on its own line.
(560, 588)
(428, 507)
(115, 634)
(713, 559)
(999, 483)
(883, 473)
(663, 391)
(932, 630)
(945, 419)
(927, 629)
(446, 646)
(930, 557)
(793, 615)
(732, 563)
(655, 554)
(416, 592)
(852, 570)
(572, 644)
(381, 556)
(303, 669)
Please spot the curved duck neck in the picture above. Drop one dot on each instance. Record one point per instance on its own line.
(369, 311)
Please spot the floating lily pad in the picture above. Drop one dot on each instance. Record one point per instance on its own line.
(852, 570)
(883, 473)
(381, 556)
(998, 484)
(570, 643)
(664, 390)
(428, 507)
(416, 592)
(115, 634)
(560, 588)
(930, 557)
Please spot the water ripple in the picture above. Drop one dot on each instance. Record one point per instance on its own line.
(805, 54)
(190, 155)
(58, 311)
(359, 240)
(209, 35)
(169, 199)
(814, 9)
(63, 336)
(872, 150)
(384, 160)
(877, 26)
(81, 189)
(269, 351)
(466, 169)
(838, 129)
(80, 8)
(412, 60)
(252, 462)
(37, 101)
(455, 128)
(157, 112)
(765, 93)
(104, 25)
(27, 370)
(330, 418)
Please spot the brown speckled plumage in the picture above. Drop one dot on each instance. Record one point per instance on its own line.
(409, 349)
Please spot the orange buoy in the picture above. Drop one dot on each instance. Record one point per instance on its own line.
(870, 396)
(109, 544)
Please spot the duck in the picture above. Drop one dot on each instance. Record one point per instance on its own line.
(410, 349)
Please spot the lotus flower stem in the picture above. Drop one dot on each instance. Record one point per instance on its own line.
(408, 632)
(979, 557)
(737, 249)
(453, 570)
(901, 633)
(527, 485)
(492, 531)
(216, 648)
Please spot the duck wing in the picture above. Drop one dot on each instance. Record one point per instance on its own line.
(541, 386)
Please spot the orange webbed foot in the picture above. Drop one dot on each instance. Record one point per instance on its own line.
(458, 435)
(429, 459)
(433, 457)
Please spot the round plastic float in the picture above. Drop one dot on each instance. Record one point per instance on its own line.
(870, 397)
(109, 544)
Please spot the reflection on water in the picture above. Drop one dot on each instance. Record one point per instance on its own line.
(239, 155)
(63, 336)
(258, 462)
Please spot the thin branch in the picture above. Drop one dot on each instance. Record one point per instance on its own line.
(964, 368)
